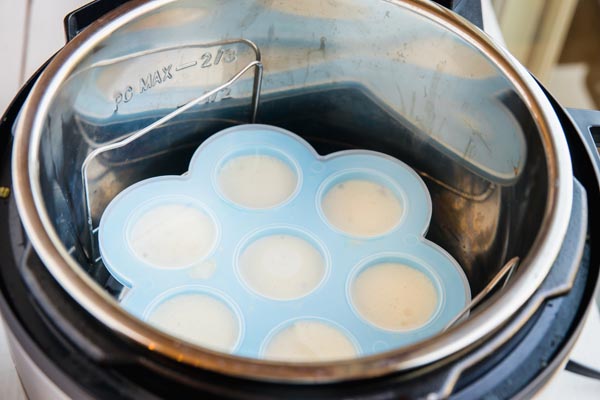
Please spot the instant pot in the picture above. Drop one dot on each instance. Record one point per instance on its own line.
(140, 85)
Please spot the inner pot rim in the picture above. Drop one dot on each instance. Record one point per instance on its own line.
(534, 267)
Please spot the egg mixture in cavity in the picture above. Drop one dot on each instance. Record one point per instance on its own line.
(199, 319)
(362, 208)
(308, 341)
(394, 296)
(257, 181)
(172, 235)
(282, 266)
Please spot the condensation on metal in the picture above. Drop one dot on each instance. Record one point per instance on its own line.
(256, 64)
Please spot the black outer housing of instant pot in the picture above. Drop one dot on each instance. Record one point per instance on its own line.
(87, 360)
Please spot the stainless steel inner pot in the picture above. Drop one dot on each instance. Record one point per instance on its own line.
(407, 78)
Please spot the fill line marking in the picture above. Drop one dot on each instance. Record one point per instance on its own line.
(186, 65)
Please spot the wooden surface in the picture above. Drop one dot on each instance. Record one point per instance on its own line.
(535, 31)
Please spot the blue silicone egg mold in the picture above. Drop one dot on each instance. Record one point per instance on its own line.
(217, 273)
